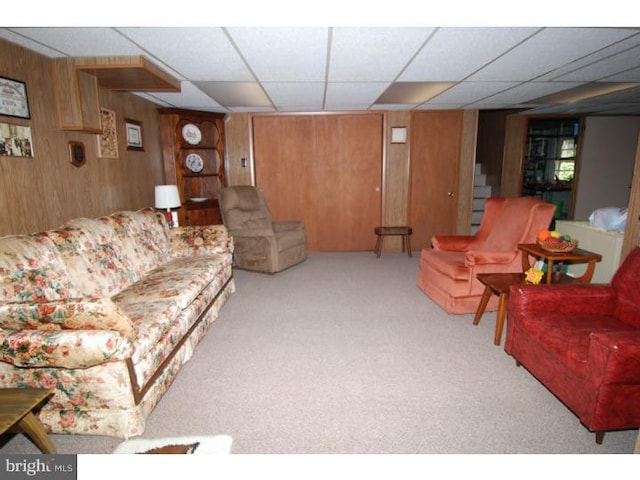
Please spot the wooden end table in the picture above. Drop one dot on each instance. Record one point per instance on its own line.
(499, 283)
(16, 414)
(576, 256)
(382, 232)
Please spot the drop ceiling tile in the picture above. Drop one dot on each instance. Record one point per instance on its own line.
(393, 106)
(412, 92)
(632, 75)
(13, 37)
(469, 92)
(288, 94)
(432, 106)
(618, 63)
(82, 41)
(302, 108)
(199, 54)
(252, 109)
(630, 42)
(546, 51)
(356, 93)
(526, 92)
(189, 97)
(455, 53)
(373, 54)
(284, 54)
(236, 94)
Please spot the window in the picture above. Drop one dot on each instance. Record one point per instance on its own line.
(564, 169)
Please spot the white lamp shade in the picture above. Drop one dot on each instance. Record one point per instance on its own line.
(167, 196)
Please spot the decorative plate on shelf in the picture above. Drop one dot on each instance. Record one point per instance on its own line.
(194, 162)
(198, 199)
(191, 134)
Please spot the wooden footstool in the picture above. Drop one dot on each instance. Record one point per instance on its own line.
(403, 231)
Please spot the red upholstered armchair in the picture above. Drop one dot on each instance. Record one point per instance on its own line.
(583, 343)
(448, 270)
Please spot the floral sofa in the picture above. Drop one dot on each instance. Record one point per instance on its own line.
(106, 311)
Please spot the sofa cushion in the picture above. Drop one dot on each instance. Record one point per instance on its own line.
(31, 270)
(97, 262)
(144, 235)
(569, 335)
(181, 280)
(69, 314)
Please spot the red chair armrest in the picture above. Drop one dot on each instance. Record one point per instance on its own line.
(614, 357)
(562, 298)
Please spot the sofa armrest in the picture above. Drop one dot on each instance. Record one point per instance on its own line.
(562, 299)
(614, 357)
(452, 243)
(190, 241)
(68, 314)
(63, 348)
(475, 257)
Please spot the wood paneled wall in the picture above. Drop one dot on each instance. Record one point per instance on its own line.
(47, 190)
(396, 166)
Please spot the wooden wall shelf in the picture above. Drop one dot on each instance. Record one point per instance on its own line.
(76, 81)
(128, 73)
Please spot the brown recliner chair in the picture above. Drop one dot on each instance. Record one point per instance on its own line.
(448, 270)
(260, 244)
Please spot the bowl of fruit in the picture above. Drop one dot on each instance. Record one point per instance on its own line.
(554, 241)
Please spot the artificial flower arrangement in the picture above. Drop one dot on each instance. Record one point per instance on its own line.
(533, 275)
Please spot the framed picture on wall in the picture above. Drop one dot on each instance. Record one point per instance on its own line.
(133, 131)
(15, 140)
(108, 139)
(13, 98)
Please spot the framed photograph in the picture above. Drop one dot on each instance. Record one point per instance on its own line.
(13, 98)
(15, 140)
(108, 139)
(133, 130)
(398, 134)
(76, 154)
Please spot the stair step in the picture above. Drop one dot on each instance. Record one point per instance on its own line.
(476, 218)
(480, 179)
(478, 204)
(482, 191)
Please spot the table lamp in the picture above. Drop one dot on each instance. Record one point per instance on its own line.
(167, 197)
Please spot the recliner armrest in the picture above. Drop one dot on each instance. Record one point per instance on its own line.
(288, 225)
(252, 232)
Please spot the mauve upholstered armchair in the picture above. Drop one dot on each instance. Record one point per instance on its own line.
(582, 342)
(260, 244)
(449, 267)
